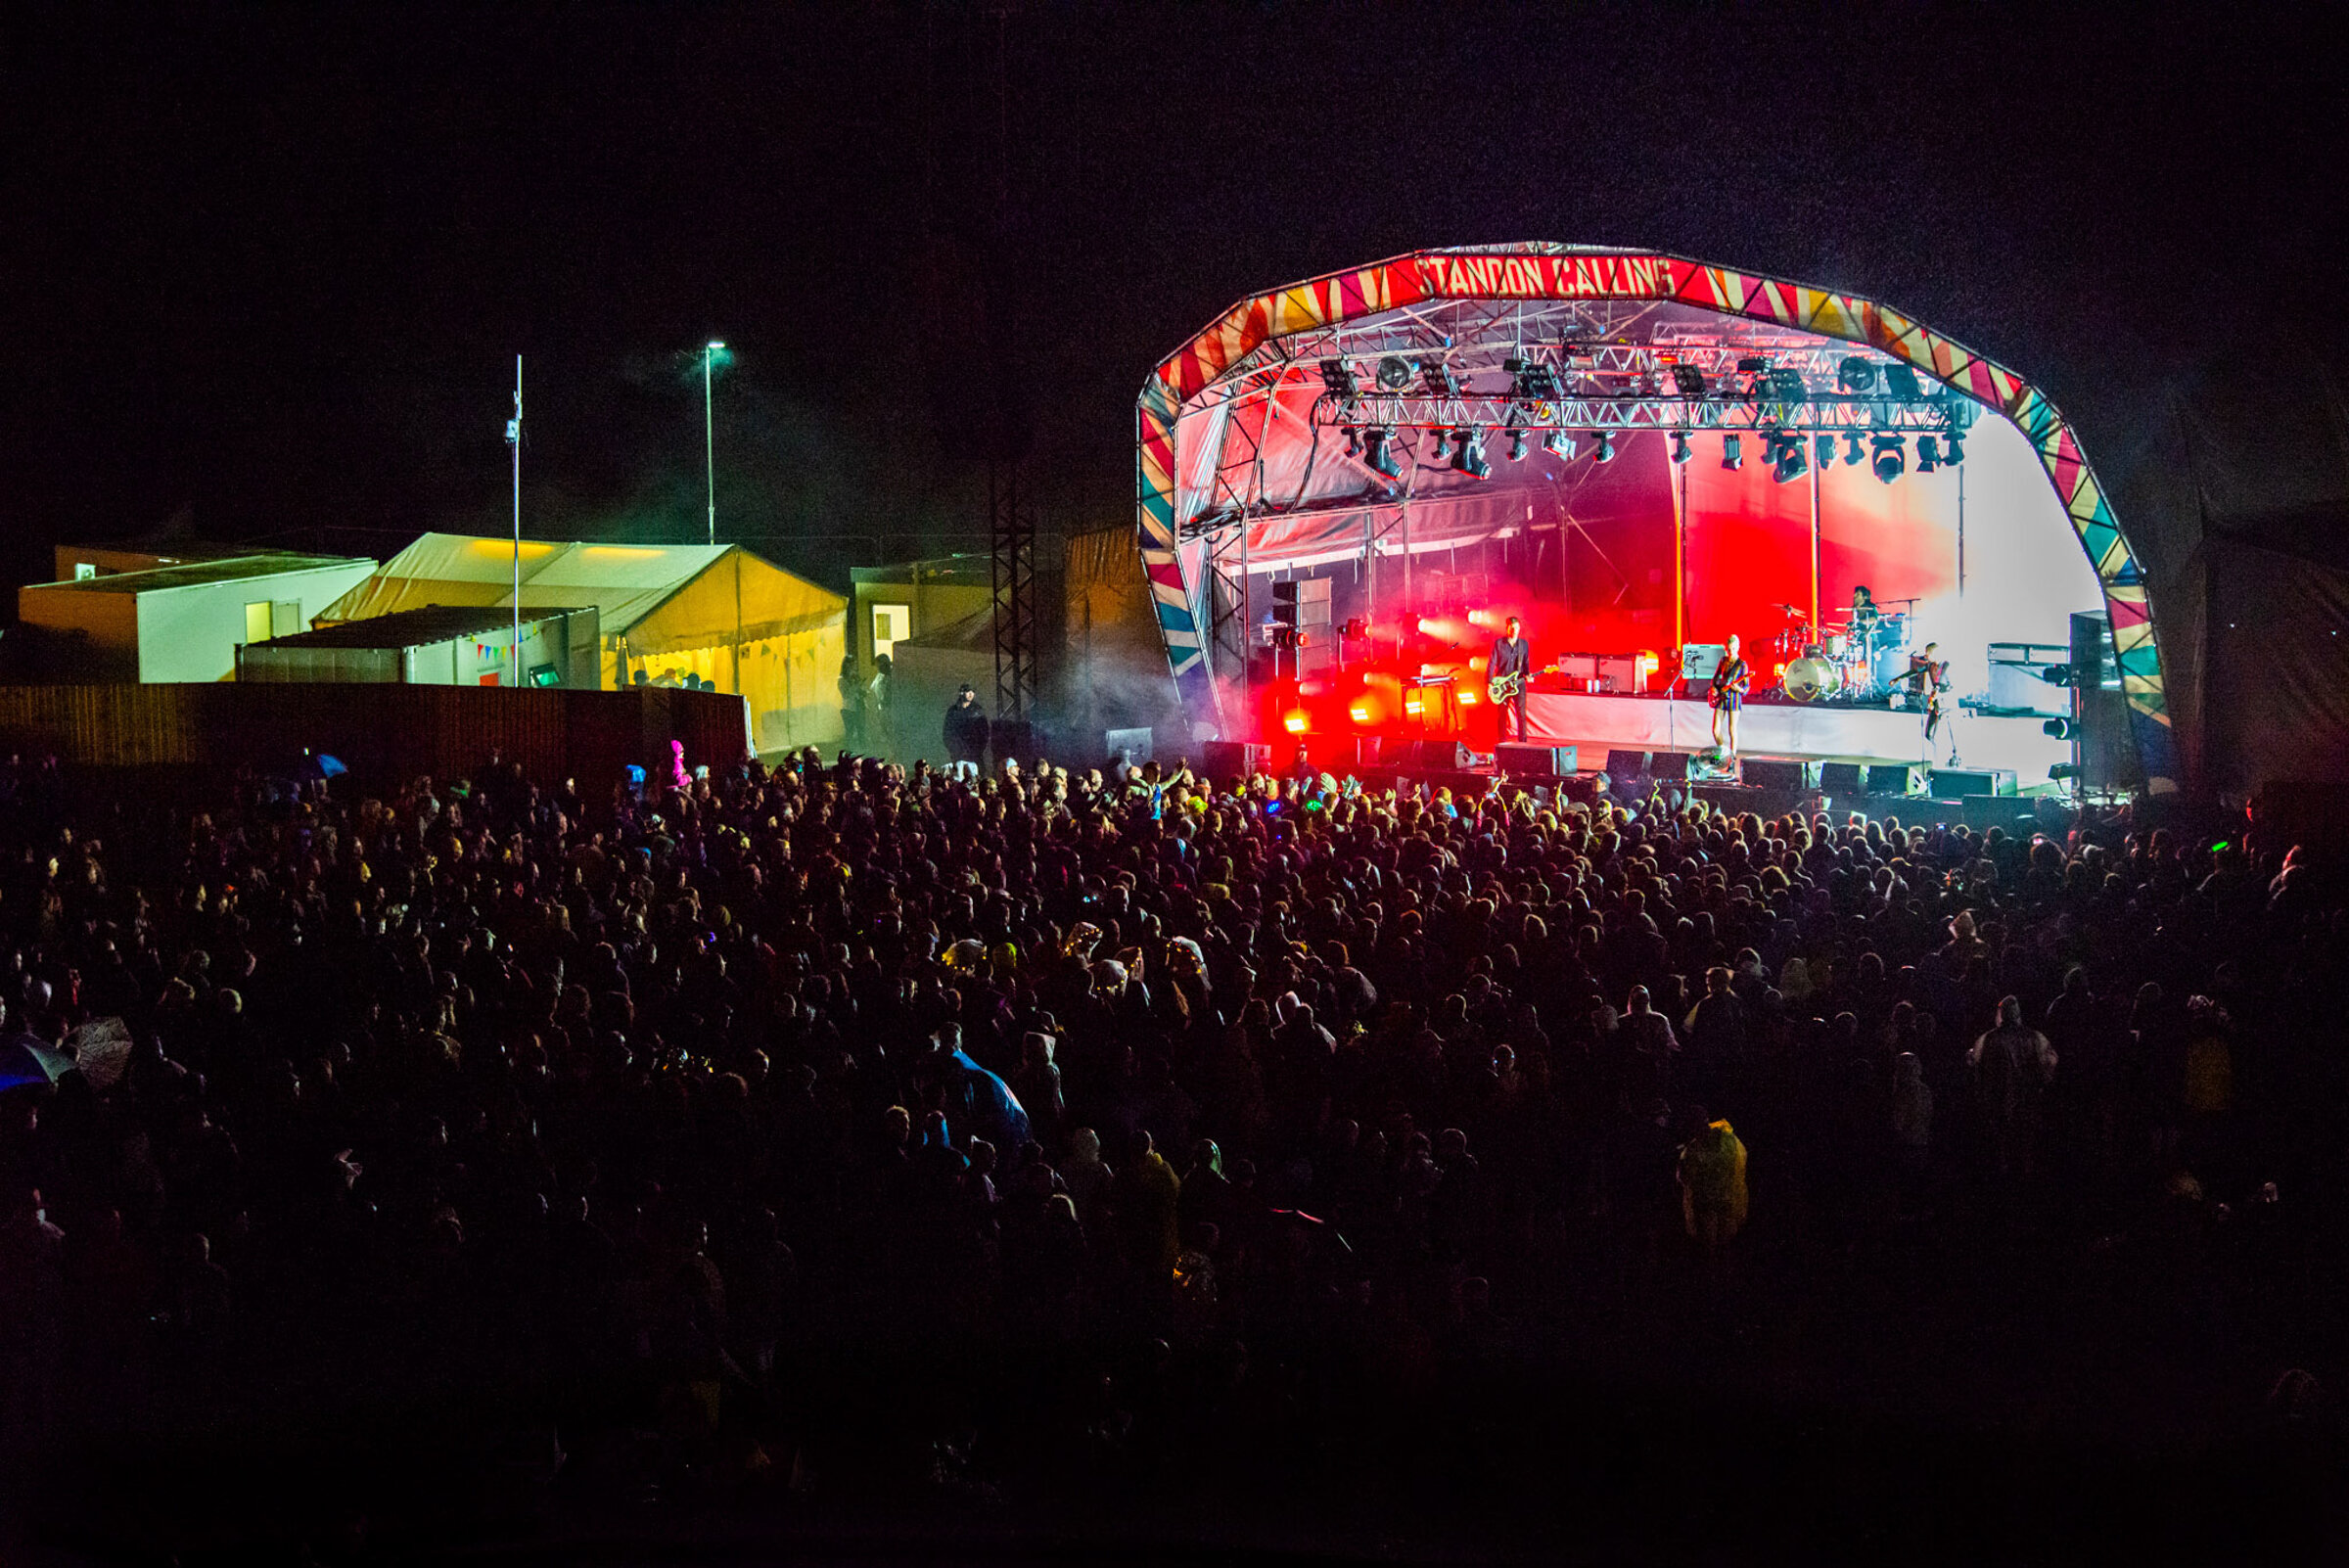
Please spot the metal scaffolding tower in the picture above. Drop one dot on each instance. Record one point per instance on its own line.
(1011, 531)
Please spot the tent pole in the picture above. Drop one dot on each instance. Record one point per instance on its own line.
(1816, 630)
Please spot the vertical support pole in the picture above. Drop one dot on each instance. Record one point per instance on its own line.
(1680, 551)
(1816, 629)
(1248, 637)
(1961, 531)
(514, 438)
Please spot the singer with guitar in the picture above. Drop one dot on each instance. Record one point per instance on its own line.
(1507, 670)
(1731, 680)
(1926, 678)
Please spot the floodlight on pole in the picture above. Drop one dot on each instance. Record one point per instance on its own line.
(708, 438)
(514, 440)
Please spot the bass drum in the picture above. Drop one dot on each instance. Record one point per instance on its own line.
(1806, 680)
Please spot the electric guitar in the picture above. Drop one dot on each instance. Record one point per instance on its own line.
(1505, 688)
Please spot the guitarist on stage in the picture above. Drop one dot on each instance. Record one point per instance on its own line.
(1731, 680)
(1506, 670)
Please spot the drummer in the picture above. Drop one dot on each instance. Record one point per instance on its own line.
(1865, 613)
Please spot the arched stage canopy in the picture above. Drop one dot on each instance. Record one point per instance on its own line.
(1248, 445)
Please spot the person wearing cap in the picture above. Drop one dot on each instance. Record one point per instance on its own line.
(966, 729)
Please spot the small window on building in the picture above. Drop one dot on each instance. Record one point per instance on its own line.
(893, 624)
(256, 621)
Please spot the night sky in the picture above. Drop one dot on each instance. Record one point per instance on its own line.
(266, 269)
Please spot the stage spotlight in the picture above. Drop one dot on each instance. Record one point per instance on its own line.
(1732, 452)
(1516, 446)
(2058, 729)
(1952, 451)
(1928, 455)
(1822, 448)
(1889, 461)
(1690, 380)
(1855, 451)
(1353, 440)
(1394, 373)
(1469, 459)
(1295, 722)
(1680, 447)
(1338, 376)
(1786, 385)
(1790, 464)
(1378, 452)
(1436, 454)
(1901, 381)
(1435, 375)
(1603, 446)
(1855, 376)
(1557, 444)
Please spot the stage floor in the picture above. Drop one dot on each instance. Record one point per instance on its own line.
(1598, 724)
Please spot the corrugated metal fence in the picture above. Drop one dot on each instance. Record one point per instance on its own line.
(377, 730)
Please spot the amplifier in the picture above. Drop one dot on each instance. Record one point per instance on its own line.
(1520, 761)
(1619, 673)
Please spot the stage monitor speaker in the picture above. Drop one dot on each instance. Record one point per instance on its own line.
(1229, 760)
(1781, 773)
(1341, 754)
(1896, 779)
(1626, 765)
(1669, 764)
(1425, 756)
(1520, 761)
(1840, 778)
(1131, 747)
(1960, 783)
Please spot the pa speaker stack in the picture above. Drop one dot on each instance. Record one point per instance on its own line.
(1840, 778)
(1896, 779)
(1425, 756)
(1668, 764)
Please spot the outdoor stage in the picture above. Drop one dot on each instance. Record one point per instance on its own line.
(1598, 724)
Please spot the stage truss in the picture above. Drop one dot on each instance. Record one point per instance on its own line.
(1609, 328)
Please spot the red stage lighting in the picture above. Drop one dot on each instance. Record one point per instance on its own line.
(1295, 722)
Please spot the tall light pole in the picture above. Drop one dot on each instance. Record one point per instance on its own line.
(514, 440)
(709, 442)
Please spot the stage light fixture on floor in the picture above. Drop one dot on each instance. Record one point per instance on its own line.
(1889, 461)
(1378, 451)
(1690, 380)
(1469, 459)
(1855, 376)
(1952, 451)
(1928, 455)
(1680, 447)
(1557, 444)
(1603, 446)
(1855, 451)
(1732, 452)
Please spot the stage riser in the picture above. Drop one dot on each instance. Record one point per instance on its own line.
(1598, 724)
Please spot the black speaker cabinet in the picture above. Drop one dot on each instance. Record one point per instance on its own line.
(1896, 779)
(1781, 773)
(1520, 761)
(1228, 760)
(1626, 765)
(1840, 778)
(1424, 756)
(1958, 783)
(1668, 764)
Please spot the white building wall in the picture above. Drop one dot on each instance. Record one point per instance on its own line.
(191, 633)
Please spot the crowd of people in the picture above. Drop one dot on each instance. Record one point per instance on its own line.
(841, 1120)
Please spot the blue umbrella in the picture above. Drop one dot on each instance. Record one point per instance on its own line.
(24, 1060)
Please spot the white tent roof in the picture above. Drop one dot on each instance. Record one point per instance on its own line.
(624, 583)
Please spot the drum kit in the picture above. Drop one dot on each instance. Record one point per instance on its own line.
(1857, 661)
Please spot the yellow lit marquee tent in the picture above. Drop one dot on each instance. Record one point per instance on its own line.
(717, 612)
